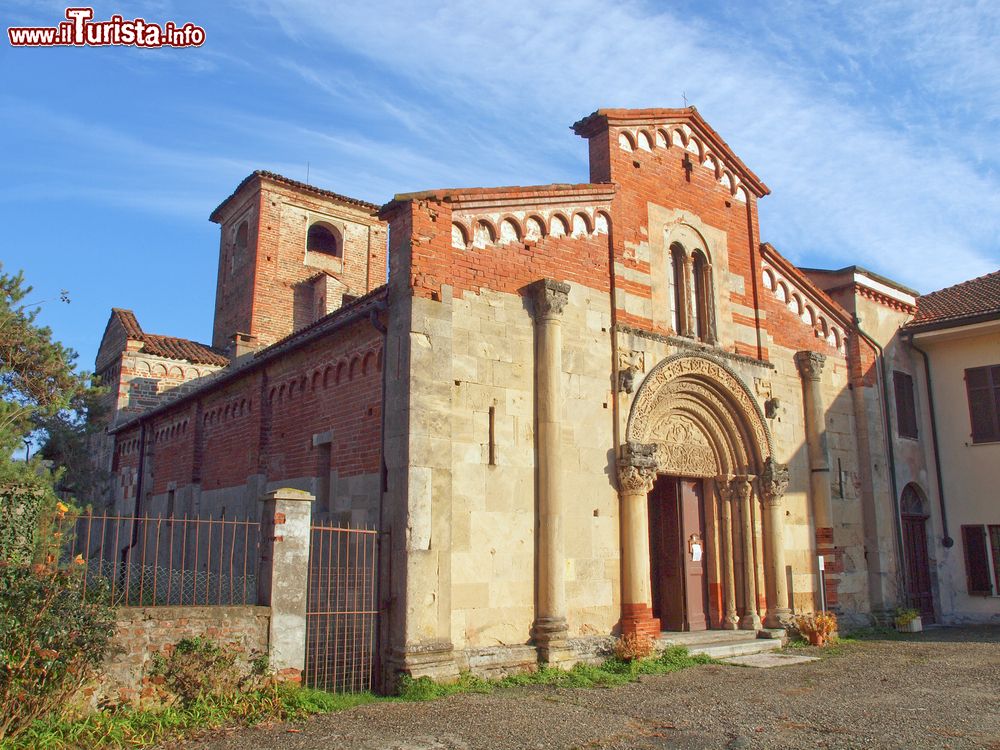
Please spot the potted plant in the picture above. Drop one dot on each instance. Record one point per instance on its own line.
(818, 627)
(908, 621)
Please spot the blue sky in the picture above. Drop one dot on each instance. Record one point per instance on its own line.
(875, 125)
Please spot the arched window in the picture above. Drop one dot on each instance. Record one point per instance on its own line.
(242, 236)
(677, 288)
(911, 503)
(323, 238)
(702, 284)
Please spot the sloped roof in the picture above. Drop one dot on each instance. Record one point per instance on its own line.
(171, 347)
(289, 182)
(355, 310)
(975, 298)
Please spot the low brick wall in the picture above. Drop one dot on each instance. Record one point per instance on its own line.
(144, 631)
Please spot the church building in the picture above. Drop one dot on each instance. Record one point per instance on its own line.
(574, 411)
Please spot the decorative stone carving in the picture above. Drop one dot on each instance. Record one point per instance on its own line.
(773, 481)
(636, 468)
(630, 364)
(810, 364)
(682, 449)
(550, 298)
(692, 369)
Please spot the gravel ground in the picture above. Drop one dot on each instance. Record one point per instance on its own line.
(940, 689)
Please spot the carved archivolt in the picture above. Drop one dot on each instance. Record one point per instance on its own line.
(701, 418)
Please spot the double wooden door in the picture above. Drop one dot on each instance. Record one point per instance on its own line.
(677, 550)
(918, 569)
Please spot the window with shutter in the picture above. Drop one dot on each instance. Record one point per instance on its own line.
(977, 568)
(906, 410)
(982, 384)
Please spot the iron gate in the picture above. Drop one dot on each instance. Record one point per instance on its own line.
(342, 609)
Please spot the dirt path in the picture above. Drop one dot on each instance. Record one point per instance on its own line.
(939, 690)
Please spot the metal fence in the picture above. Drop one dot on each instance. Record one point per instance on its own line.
(155, 561)
(341, 609)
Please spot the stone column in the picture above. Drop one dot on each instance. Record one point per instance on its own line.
(283, 577)
(743, 487)
(730, 620)
(810, 366)
(636, 474)
(773, 483)
(687, 297)
(550, 629)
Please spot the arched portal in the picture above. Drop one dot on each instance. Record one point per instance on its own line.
(913, 509)
(697, 438)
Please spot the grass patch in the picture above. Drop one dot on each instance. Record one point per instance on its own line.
(127, 728)
(608, 674)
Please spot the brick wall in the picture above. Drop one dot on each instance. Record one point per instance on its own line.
(142, 632)
(263, 422)
(268, 290)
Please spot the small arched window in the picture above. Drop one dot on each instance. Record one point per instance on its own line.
(323, 238)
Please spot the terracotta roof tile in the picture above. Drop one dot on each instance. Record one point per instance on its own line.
(979, 296)
(177, 348)
(170, 347)
(129, 322)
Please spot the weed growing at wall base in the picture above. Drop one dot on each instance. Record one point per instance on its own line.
(284, 702)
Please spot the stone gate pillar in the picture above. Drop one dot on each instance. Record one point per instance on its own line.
(773, 483)
(636, 474)
(283, 576)
(550, 629)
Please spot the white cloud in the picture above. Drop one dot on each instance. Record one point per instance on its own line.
(841, 122)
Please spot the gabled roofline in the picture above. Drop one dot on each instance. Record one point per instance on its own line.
(478, 197)
(261, 175)
(602, 118)
(818, 296)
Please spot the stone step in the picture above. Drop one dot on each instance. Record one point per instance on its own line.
(703, 637)
(725, 649)
(721, 644)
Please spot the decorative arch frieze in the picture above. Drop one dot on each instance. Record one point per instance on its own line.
(701, 417)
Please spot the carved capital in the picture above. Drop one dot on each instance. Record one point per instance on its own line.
(550, 298)
(637, 468)
(741, 487)
(773, 481)
(724, 483)
(810, 364)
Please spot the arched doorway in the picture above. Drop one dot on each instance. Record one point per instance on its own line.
(918, 568)
(700, 492)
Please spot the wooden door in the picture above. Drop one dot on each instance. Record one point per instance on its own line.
(677, 550)
(918, 568)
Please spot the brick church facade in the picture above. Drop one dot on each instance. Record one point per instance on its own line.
(573, 410)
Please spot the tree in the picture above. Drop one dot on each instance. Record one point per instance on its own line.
(39, 388)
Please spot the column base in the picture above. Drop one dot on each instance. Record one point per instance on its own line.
(750, 622)
(638, 618)
(550, 635)
(731, 621)
(778, 618)
(434, 659)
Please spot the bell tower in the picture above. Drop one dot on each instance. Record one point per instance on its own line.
(290, 253)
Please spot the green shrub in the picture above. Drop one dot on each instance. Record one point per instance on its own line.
(52, 638)
(198, 668)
